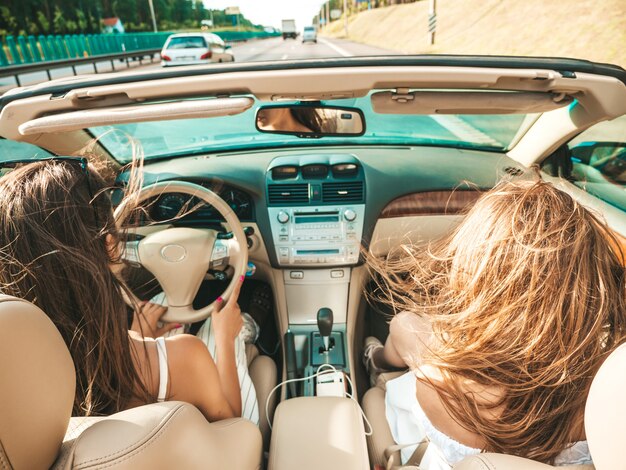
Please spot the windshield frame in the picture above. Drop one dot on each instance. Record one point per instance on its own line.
(565, 66)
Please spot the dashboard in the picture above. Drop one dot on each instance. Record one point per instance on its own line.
(316, 207)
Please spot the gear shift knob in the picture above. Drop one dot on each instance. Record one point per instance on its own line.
(325, 325)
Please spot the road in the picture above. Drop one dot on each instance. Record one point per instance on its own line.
(289, 49)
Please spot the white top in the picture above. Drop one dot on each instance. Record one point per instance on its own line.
(249, 403)
(410, 425)
(163, 370)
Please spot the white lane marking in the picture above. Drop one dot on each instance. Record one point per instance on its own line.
(283, 57)
(464, 131)
(336, 48)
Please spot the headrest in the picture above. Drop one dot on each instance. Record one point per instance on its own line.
(605, 412)
(37, 385)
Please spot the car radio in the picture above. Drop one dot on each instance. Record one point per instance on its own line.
(317, 236)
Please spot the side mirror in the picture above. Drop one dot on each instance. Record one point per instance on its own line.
(597, 154)
(310, 120)
(227, 46)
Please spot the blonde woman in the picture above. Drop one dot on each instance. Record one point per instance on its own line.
(505, 324)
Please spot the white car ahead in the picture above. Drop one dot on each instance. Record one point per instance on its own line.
(309, 34)
(194, 48)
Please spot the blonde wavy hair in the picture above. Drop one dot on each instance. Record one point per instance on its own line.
(526, 295)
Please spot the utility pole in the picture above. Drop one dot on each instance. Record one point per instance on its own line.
(153, 17)
(327, 12)
(432, 20)
(345, 17)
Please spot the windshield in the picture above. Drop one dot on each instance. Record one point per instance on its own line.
(160, 139)
(187, 42)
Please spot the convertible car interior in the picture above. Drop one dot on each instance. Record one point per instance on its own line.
(385, 151)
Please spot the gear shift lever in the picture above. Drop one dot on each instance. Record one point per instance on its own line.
(325, 325)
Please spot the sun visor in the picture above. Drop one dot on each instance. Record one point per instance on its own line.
(467, 102)
(190, 109)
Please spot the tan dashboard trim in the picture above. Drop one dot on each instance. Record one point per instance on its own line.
(431, 203)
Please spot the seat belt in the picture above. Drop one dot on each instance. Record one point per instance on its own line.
(414, 460)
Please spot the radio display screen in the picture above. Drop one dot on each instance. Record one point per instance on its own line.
(311, 219)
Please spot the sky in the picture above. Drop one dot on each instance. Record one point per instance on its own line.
(271, 12)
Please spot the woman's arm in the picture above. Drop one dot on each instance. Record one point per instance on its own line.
(194, 378)
(226, 321)
(409, 334)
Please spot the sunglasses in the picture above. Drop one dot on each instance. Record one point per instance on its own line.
(8, 166)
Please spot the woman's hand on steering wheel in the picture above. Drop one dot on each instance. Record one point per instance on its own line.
(226, 318)
(145, 321)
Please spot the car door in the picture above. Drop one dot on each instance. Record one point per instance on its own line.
(592, 167)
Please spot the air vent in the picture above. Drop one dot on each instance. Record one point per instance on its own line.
(284, 172)
(288, 193)
(342, 192)
(513, 171)
(314, 171)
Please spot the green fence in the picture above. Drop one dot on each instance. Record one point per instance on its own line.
(31, 49)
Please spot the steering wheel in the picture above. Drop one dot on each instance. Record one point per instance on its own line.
(179, 257)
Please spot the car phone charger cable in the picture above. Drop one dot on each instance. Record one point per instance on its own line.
(321, 370)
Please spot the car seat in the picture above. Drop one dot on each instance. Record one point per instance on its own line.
(605, 424)
(37, 394)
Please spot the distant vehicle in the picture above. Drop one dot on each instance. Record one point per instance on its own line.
(309, 34)
(194, 48)
(289, 29)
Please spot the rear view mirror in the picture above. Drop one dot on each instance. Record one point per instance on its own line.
(310, 120)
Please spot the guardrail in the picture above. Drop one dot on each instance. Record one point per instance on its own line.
(26, 54)
(16, 70)
(28, 49)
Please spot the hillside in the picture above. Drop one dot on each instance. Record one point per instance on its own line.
(584, 29)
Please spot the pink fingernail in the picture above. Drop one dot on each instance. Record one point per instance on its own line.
(178, 325)
(219, 299)
(241, 278)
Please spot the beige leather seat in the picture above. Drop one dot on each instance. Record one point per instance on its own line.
(605, 424)
(36, 396)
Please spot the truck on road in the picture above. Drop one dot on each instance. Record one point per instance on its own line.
(289, 29)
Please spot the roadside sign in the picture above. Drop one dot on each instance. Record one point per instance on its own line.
(432, 23)
(232, 11)
(335, 14)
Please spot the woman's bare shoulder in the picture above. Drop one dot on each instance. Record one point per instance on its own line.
(186, 351)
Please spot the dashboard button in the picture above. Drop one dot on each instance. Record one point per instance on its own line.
(283, 217)
(349, 215)
(296, 274)
(336, 273)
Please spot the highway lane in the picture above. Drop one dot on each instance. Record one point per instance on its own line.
(293, 49)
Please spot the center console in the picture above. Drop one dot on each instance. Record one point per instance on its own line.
(317, 235)
(316, 210)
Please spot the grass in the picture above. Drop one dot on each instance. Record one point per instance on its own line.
(582, 29)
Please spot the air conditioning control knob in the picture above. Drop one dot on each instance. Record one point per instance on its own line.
(283, 217)
(349, 215)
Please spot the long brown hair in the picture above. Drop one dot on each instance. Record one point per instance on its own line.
(526, 296)
(53, 221)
